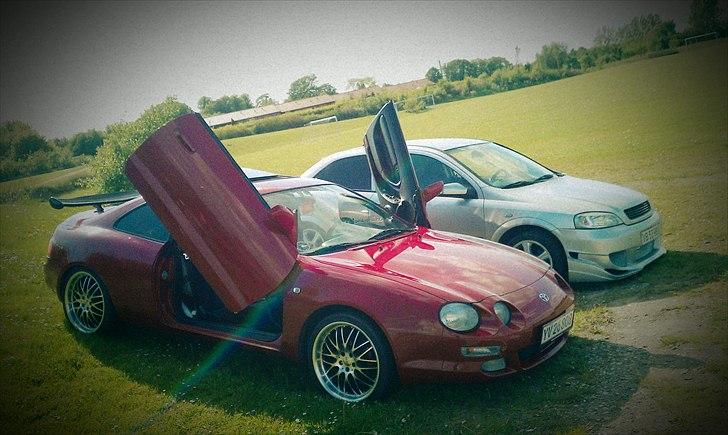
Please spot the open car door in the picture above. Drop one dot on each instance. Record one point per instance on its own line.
(212, 210)
(394, 175)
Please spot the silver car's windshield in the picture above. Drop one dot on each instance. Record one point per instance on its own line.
(331, 218)
(498, 166)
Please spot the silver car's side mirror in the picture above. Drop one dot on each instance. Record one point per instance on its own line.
(455, 190)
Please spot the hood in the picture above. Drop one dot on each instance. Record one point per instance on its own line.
(443, 265)
(577, 195)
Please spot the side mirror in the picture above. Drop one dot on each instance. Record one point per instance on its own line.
(455, 190)
(283, 221)
(432, 191)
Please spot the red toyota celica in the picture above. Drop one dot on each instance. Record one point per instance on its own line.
(363, 294)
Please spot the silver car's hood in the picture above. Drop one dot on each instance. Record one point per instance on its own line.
(577, 195)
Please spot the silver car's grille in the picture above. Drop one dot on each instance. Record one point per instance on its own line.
(638, 210)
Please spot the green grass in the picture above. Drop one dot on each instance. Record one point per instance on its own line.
(658, 125)
(43, 185)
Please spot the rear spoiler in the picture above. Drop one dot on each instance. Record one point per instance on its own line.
(94, 200)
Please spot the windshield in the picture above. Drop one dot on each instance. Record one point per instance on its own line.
(331, 218)
(498, 166)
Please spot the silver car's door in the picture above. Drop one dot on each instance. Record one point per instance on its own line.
(459, 208)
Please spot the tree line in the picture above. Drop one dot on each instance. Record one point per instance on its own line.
(24, 152)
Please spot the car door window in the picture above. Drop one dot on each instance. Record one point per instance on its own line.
(144, 223)
(350, 172)
(430, 170)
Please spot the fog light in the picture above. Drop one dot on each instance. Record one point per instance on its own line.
(480, 351)
(493, 365)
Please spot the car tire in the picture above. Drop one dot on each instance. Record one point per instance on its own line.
(542, 245)
(86, 302)
(350, 358)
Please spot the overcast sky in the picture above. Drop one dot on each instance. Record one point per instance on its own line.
(68, 67)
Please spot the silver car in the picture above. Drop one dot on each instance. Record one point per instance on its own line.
(587, 230)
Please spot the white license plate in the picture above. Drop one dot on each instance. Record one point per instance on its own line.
(649, 234)
(557, 326)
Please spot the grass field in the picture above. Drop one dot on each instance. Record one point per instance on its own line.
(43, 185)
(647, 350)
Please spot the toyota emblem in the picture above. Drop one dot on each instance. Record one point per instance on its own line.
(543, 296)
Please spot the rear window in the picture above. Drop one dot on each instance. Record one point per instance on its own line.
(350, 172)
(144, 223)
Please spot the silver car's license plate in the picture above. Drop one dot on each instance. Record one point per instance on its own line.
(649, 234)
(557, 326)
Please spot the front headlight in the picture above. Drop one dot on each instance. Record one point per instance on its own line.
(596, 219)
(503, 312)
(459, 317)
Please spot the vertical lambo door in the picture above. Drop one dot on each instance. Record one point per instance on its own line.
(213, 211)
(391, 164)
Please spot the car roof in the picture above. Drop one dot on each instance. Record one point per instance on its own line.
(440, 144)
(444, 144)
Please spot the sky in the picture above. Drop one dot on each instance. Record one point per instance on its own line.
(67, 67)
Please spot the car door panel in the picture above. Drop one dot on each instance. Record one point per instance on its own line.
(212, 210)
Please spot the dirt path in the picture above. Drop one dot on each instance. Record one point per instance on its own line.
(686, 387)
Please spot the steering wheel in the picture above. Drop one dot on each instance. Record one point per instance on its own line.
(497, 176)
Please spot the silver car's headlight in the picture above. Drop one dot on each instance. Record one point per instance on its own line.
(459, 317)
(596, 219)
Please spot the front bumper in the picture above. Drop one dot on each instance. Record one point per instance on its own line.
(520, 345)
(612, 253)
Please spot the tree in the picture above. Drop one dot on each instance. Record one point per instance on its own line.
(85, 143)
(204, 104)
(705, 17)
(224, 104)
(605, 36)
(122, 139)
(307, 86)
(490, 65)
(18, 140)
(552, 56)
(264, 100)
(458, 69)
(433, 74)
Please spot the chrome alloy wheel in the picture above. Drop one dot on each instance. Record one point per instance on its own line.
(536, 249)
(345, 361)
(83, 300)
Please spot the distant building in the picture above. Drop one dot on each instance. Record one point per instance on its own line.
(308, 103)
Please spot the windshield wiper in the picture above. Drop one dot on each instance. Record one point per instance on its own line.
(388, 233)
(522, 183)
(334, 248)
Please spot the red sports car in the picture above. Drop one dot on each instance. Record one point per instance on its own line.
(364, 294)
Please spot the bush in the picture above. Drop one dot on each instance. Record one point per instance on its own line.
(122, 139)
(414, 105)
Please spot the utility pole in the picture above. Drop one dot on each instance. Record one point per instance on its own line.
(442, 71)
(518, 53)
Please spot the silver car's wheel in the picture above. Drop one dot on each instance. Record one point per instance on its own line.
(536, 249)
(346, 361)
(541, 245)
(84, 302)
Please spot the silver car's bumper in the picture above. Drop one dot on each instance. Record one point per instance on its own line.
(612, 253)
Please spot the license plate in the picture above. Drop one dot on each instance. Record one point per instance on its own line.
(557, 326)
(649, 234)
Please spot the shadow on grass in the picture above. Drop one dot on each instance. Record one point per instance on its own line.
(584, 386)
(674, 273)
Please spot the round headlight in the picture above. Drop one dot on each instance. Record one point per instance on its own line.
(596, 219)
(459, 317)
(503, 312)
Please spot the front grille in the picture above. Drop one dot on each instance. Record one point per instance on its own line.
(638, 210)
(530, 353)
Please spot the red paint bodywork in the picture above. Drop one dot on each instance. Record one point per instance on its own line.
(400, 283)
(216, 214)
